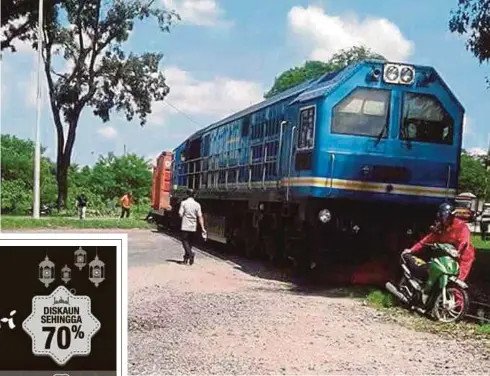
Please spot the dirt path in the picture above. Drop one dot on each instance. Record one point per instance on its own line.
(214, 318)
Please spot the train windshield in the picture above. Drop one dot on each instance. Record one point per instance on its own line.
(425, 120)
(363, 113)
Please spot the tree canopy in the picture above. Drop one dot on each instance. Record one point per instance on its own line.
(472, 19)
(315, 69)
(20, 18)
(17, 174)
(472, 176)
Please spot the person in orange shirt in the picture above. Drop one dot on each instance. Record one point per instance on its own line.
(126, 204)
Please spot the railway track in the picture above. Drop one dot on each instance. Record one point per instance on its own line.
(480, 312)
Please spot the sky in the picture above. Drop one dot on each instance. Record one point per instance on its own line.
(224, 55)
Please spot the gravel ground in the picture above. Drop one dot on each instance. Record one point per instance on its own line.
(223, 317)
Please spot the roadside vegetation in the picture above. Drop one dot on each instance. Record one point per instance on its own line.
(386, 303)
(103, 184)
(479, 243)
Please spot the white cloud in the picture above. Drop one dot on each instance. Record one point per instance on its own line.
(477, 152)
(107, 132)
(50, 153)
(326, 34)
(153, 157)
(29, 88)
(198, 12)
(217, 98)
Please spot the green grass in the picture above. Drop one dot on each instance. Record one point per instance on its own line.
(480, 244)
(14, 222)
(379, 299)
(483, 329)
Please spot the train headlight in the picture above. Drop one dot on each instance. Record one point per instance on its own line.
(324, 216)
(398, 74)
(391, 73)
(407, 75)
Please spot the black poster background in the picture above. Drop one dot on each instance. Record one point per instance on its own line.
(19, 284)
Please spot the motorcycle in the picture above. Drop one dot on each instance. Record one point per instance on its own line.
(44, 210)
(442, 295)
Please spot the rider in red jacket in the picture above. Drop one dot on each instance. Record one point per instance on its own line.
(449, 230)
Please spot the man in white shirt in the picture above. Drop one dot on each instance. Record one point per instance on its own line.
(190, 212)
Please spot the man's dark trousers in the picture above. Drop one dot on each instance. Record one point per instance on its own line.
(125, 211)
(187, 242)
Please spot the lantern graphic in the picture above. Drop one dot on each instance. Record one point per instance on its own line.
(66, 274)
(96, 271)
(80, 258)
(46, 271)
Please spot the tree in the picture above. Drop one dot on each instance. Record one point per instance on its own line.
(113, 176)
(315, 69)
(17, 172)
(353, 55)
(294, 76)
(104, 183)
(472, 176)
(102, 75)
(472, 18)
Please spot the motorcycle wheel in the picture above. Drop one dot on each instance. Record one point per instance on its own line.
(457, 301)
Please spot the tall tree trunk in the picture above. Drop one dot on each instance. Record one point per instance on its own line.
(63, 160)
(62, 180)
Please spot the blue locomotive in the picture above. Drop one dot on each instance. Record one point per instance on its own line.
(357, 159)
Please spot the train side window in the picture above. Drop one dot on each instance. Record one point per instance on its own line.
(425, 120)
(365, 112)
(245, 126)
(306, 134)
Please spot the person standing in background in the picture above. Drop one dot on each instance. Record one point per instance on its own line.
(82, 205)
(484, 221)
(190, 212)
(126, 201)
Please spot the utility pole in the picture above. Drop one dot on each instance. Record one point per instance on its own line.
(487, 169)
(37, 150)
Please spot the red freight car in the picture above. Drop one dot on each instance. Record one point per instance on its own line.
(162, 184)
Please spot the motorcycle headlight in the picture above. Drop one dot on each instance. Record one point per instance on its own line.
(324, 216)
(406, 75)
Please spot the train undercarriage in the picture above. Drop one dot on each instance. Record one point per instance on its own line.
(336, 236)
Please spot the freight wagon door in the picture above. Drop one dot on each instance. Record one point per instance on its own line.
(163, 181)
